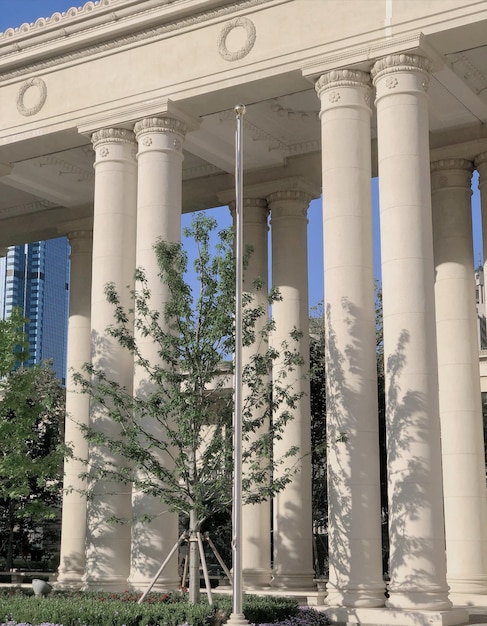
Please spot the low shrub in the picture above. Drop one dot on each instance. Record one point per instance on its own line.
(120, 609)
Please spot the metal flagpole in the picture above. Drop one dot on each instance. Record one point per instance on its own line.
(237, 616)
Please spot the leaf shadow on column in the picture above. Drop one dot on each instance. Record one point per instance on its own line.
(104, 493)
(349, 462)
(405, 412)
(147, 550)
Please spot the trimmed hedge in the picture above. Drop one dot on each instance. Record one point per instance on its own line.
(92, 609)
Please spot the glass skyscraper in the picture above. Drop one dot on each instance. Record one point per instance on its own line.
(37, 280)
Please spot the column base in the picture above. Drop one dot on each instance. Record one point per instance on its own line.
(69, 579)
(360, 596)
(293, 581)
(475, 586)
(392, 617)
(254, 579)
(468, 599)
(112, 583)
(419, 600)
(163, 585)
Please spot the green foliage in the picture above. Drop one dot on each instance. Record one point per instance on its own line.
(14, 347)
(31, 432)
(176, 434)
(93, 609)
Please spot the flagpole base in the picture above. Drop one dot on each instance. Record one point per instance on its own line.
(237, 619)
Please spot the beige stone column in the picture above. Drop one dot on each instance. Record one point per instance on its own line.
(256, 518)
(354, 507)
(73, 527)
(292, 531)
(160, 158)
(462, 436)
(108, 544)
(417, 561)
(481, 166)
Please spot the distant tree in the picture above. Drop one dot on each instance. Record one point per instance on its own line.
(318, 438)
(31, 431)
(176, 436)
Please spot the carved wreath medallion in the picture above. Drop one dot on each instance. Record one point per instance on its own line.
(239, 22)
(33, 84)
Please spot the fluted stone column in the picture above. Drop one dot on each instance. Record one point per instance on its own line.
(256, 518)
(73, 528)
(108, 544)
(160, 158)
(354, 508)
(462, 436)
(481, 166)
(292, 534)
(416, 524)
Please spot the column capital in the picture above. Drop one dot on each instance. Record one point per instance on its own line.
(407, 72)
(344, 88)
(81, 241)
(160, 125)
(298, 199)
(112, 136)
(480, 160)
(401, 63)
(160, 134)
(254, 209)
(451, 173)
(342, 78)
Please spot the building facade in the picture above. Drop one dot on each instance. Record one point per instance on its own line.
(36, 279)
(119, 116)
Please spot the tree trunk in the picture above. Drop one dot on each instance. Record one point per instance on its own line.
(194, 559)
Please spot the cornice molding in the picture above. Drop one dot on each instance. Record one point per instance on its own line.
(66, 167)
(364, 57)
(257, 133)
(56, 19)
(107, 42)
(25, 209)
(200, 171)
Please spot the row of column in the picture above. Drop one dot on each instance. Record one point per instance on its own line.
(424, 351)
(138, 180)
(436, 485)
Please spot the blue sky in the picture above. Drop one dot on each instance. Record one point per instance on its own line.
(13, 13)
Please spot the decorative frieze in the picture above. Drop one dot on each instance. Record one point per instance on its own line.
(119, 42)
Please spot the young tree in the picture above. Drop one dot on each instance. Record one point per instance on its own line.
(175, 434)
(31, 432)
